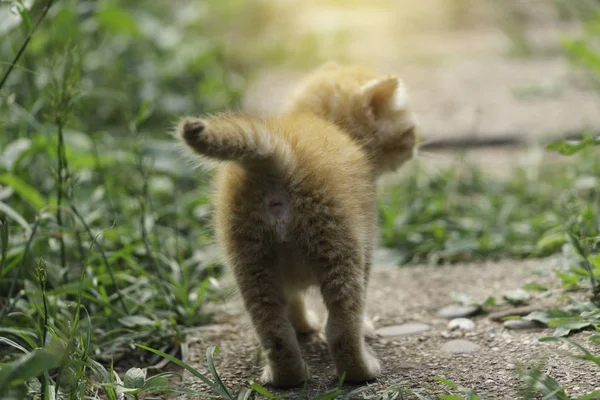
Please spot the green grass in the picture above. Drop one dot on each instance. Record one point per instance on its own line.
(466, 215)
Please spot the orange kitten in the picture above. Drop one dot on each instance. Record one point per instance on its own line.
(295, 207)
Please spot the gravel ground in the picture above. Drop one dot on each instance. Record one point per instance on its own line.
(416, 294)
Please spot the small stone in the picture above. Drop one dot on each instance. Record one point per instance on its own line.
(457, 311)
(404, 329)
(517, 297)
(463, 324)
(522, 324)
(460, 346)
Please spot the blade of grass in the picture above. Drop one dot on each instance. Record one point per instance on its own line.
(210, 352)
(190, 369)
(25, 43)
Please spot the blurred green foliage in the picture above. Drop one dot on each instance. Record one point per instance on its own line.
(464, 214)
(131, 53)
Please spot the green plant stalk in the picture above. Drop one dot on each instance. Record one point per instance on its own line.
(61, 116)
(21, 263)
(41, 266)
(62, 166)
(25, 43)
(3, 241)
(104, 258)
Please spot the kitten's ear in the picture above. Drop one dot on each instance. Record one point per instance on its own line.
(384, 94)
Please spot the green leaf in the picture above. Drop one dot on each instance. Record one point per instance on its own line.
(569, 323)
(595, 395)
(562, 331)
(446, 382)
(262, 391)
(551, 241)
(12, 214)
(144, 113)
(536, 287)
(595, 260)
(244, 394)
(570, 147)
(13, 151)
(24, 13)
(568, 280)
(545, 316)
(131, 321)
(587, 355)
(330, 395)
(134, 378)
(489, 301)
(210, 352)
(28, 366)
(27, 192)
(543, 384)
(189, 368)
(155, 382)
(116, 20)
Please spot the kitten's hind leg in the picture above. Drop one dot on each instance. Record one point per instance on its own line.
(265, 301)
(343, 289)
(305, 321)
(368, 326)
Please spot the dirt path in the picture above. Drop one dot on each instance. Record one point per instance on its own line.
(415, 294)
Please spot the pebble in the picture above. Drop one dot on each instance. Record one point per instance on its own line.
(522, 324)
(460, 346)
(463, 324)
(403, 329)
(457, 311)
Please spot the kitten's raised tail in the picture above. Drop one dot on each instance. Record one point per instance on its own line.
(226, 137)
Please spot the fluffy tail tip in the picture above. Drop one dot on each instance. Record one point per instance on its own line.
(189, 130)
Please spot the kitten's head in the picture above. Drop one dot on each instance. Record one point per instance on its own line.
(372, 108)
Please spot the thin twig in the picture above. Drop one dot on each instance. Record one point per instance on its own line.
(25, 43)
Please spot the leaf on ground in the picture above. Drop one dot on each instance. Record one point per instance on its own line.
(134, 378)
(535, 287)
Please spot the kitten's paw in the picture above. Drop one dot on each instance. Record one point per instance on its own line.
(365, 370)
(286, 376)
(368, 328)
(307, 323)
